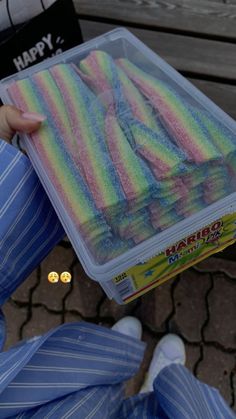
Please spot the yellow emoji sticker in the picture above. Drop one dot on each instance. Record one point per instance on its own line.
(65, 277)
(53, 277)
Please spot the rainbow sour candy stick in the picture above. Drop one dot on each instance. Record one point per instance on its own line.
(136, 177)
(166, 220)
(46, 87)
(186, 128)
(145, 231)
(135, 180)
(94, 157)
(71, 188)
(221, 137)
(100, 72)
(123, 154)
(145, 135)
(127, 224)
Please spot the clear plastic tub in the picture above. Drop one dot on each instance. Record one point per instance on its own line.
(132, 155)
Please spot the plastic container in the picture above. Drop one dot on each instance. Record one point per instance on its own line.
(120, 44)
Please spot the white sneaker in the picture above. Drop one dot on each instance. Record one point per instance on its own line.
(170, 350)
(129, 326)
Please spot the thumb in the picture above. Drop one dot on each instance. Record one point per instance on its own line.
(13, 120)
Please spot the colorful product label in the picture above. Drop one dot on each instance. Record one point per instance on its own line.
(176, 258)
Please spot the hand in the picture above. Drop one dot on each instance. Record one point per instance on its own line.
(13, 120)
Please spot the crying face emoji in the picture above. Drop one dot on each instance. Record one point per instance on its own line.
(65, 277)
(53, 277)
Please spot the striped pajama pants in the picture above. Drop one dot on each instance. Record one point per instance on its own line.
(77, 370)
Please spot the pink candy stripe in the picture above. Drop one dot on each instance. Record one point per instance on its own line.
(169, 117)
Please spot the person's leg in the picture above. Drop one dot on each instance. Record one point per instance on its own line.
(179, 394)
(99, 401)
(146, 404)
(29, 226)
(2, 330)
(78, 368)
(170, 350)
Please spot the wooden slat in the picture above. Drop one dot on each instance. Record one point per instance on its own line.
(189, 54)
(222, 94)
(210, 18)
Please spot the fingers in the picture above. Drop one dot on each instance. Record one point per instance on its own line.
(13, 120)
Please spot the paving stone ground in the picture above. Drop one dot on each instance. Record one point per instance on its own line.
(199, 305)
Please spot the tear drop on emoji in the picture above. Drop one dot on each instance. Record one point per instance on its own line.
(53, 277)
(65, 277)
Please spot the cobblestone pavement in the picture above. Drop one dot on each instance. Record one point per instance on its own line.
(199, 305)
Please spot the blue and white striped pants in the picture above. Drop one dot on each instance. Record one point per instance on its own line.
(29, 227)
(77, 370)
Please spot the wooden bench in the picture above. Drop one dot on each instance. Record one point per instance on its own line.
(197, 37)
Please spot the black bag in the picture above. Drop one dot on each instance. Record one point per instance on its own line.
(51, 32)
